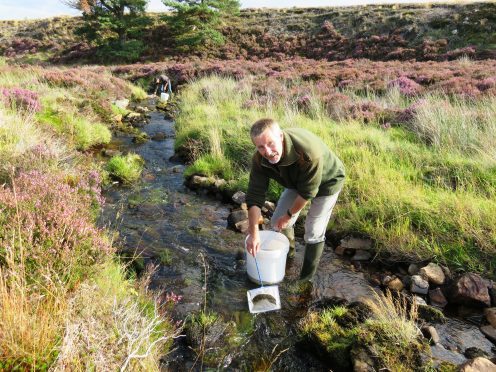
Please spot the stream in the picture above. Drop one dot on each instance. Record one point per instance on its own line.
(184, 236)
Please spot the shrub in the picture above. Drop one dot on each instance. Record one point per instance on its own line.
(407, 86)
(21, 99)
(126, 168)
(44, 219)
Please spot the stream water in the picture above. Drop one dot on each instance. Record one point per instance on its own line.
(185, 236)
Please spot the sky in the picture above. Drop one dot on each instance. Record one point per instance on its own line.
(28, 9)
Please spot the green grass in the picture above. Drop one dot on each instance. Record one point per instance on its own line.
(126, 168)
(416, 199)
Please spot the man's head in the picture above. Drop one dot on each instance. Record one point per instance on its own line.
(267, 136)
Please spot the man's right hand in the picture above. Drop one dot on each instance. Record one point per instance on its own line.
(253, 244)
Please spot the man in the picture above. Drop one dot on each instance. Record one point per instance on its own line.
(302, 163)
(162, 84)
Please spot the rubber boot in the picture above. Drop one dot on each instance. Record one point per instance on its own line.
(311, 260)
(289, 233)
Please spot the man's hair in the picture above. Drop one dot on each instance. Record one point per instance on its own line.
(261, 125)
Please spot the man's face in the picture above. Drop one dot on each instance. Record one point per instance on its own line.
(270, 144)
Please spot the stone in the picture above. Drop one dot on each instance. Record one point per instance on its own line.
(361, 255)
(490, 332)
(356, 243)
(220, 183)
(478, 365)
(395, 285)
(271, 207)
(430, 333)
(437, 298)
(419, 301)
(141, 109)
(159, 136)
(491, 316)
(433, 273)
(239, 197)
(474, 352)
(121, 103)
(492, 294)
(340, 250)
(419, 285)
(471, 290)
(244, 206)
(413, 269)
(236, 217)
(242, 226)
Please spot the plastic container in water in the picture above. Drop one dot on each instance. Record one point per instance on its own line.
(271, 258)
(164, 97)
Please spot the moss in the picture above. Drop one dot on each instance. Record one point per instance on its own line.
(431, 314)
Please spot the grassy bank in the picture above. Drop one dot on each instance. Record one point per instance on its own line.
(65, 301)
(423, 185)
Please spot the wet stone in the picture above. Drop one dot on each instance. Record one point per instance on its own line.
(474, 352)
(431, 334)
(437, 298)
(159, 136)
(440, 354)
(490, 332)
(458, 335)
(237, 217)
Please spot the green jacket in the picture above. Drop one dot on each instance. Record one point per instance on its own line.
(307, 166)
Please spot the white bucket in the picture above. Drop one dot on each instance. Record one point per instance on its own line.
(271, 258)
(164, 97)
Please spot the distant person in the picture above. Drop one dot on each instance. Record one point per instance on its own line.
(162, 85)
(310, 172)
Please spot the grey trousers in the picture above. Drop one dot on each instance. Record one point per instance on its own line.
(317, 218)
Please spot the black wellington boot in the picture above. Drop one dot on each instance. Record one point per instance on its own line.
(311, 260)
(289, 233)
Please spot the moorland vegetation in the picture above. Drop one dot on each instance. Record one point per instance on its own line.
(405, 95)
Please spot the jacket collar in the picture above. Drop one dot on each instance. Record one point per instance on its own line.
(289, 156)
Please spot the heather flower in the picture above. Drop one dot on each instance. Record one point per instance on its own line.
(407, 86)
(53, 223)
(21, 99)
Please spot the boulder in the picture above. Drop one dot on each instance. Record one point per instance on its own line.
(477, 365)
(490, 332)
(491, 316)
(239, 197)
(395, 284)
(242, 226)
(437, 298)
(361, 255)
(419, 285)
(356, 243)
(472, 290)
(413, 269)
(236, 217)
(433, 273)
(271, 207)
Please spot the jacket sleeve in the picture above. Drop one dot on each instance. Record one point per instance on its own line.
(310, 178)
(257, 186)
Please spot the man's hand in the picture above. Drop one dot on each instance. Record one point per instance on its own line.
(253, 244)
(282, 222)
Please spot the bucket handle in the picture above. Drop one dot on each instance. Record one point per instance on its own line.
(258, 271)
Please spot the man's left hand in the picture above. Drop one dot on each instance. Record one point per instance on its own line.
(282, 222)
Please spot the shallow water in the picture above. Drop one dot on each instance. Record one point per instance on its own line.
(184, 236)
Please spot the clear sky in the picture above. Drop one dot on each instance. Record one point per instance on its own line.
(27, 9)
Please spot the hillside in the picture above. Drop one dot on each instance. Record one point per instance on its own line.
(378, 32)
